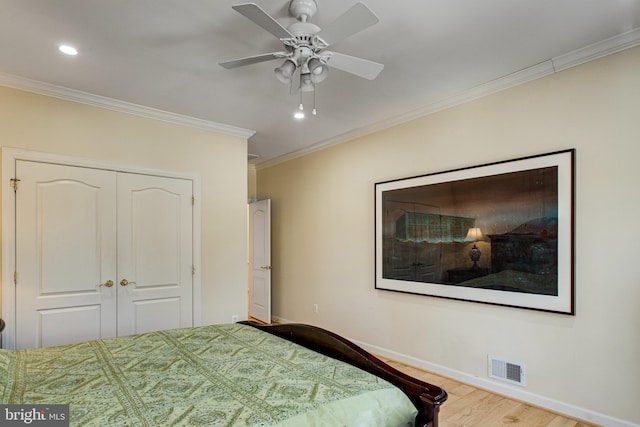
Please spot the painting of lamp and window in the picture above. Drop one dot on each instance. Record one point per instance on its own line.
(499, 233)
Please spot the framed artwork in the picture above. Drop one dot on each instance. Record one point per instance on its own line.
(498, 233)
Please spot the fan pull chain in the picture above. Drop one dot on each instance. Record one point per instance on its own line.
(301, 107)
(314, 101)
(299, 114)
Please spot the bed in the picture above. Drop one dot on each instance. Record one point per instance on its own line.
(241, 374)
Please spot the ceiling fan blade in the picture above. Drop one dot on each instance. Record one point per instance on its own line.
(352, 21)
(241, 62)
(263, 19)
(357, 66)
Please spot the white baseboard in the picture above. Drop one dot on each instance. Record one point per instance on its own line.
(484, 383)
(505, 390)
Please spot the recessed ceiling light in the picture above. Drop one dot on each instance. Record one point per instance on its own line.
(68, 50)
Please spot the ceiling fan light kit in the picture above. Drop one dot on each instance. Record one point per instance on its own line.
(317, 70)
(284, 73)
(306, 62)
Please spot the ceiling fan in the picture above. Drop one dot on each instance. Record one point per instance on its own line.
(306, 61)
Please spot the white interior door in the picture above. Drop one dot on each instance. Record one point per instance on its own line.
(155, 264)
(65, 248)
(260, 260)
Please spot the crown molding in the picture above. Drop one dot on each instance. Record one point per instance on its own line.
(554, 65)
(598, 50)
(577, 57)
(86, 98)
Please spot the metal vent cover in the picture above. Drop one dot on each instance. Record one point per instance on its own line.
(507, 370)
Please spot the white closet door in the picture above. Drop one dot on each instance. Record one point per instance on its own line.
(260, 260)
(65, 248)
(154, 253)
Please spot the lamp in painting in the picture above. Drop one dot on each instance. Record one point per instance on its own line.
(473, 235)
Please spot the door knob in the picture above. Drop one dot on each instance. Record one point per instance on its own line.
(125, 282)
(266, 267)
(108, 283)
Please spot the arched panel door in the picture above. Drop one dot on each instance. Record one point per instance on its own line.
(99, 254)
(65, 254)
(154, 253)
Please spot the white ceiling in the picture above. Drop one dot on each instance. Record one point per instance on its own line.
(164, 54)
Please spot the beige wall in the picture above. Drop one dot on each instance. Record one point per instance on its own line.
(323, 237)
(46, 124)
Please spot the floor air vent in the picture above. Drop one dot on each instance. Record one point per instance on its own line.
(506, 370)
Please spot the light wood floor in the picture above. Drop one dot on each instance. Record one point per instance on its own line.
(468, 406)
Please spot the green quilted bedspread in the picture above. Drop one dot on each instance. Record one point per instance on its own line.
(219, 375)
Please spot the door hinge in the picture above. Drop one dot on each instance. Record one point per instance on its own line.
(193, 269)
(14, 183)
(15, 278)
(193, 200)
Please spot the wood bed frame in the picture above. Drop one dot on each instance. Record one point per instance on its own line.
(426, 397)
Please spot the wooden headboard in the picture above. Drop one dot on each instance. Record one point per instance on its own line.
(426, 397)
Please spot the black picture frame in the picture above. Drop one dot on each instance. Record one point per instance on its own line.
(498, 233)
